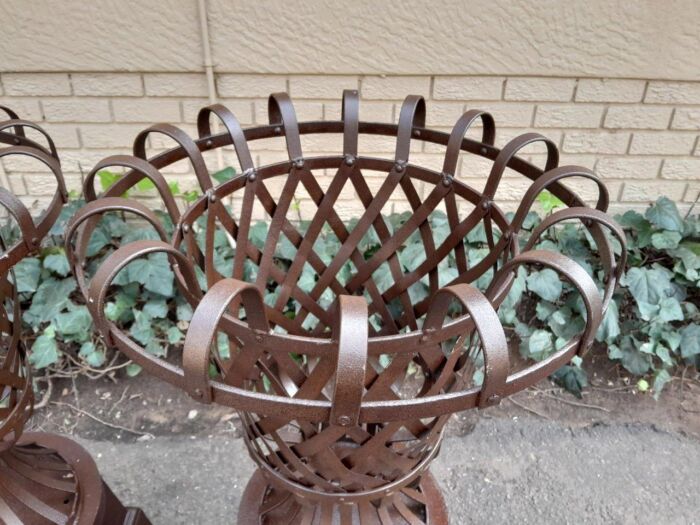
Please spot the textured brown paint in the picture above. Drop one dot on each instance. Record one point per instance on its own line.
(44, 478)
(325, 410)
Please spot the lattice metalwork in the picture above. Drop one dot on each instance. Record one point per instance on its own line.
(44, 478)
(319, 370)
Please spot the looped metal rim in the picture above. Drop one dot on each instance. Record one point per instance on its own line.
(411, 126)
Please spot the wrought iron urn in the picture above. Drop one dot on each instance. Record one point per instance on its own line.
(318, 372)
(44, 478)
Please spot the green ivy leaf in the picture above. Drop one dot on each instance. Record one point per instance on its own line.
(647, 311)
(75, 324)
(156, 308)
(666, 240)
(636, 362)
(690, 341)
(27, 273)
(660, 379)
(539, 345)
(609, 329)
(107, 178)
(664, 214)
(670, 310)
(51, 297)
(648, 285)
(57, 263)
(572, 378)
(154, 273)
(132, 369)
(174, 335)
(258, 234)
(153, 347)
(545, 283)
(224, 175)
(120, 308)
(183, 312)
(142, 329)
(222, 345)
(98, 240)
(93, 357)
(549, 202)
(44, 351)
(145, 184)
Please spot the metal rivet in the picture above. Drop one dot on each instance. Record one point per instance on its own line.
(416, 133)
(485, 205)
(399, 167)
(278, 130)
(185, 228)
(344, 421)
(250, 175)
(212, 197)
(446, 180)
(198, 393)
(210, 143)
(259, 338)
(299, 163)
(17, 142)
(483, 151)
(91, 300)
(493, 399)
(349, 160)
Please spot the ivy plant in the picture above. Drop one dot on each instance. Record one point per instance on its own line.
(651, 327)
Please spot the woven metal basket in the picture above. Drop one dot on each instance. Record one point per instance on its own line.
(344, 384)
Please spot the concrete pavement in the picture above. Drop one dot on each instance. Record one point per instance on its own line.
(524, 470)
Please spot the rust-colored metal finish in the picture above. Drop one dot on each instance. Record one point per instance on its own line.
(318, 371)
(44, 478)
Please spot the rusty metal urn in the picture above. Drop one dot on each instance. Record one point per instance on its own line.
(338, 432)
(44, 478)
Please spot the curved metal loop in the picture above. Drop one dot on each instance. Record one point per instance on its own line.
(352, 332)
(140, 169)
(14, 206)
(509, 151)
(493, 339)
(454, 145)
(350, 115)
(108, 270)
(21, 139)
(43, 225)
(550, 181)
(13, 116)
(412, 116)
(185, 142)
(45, 158)
(205, 320)
(234, 130)
(14, 417)
(573, 272)
(281, 112)
(592, 219)
(88, 485)
(92, 210)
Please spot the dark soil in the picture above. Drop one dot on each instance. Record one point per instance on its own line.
(128, 409)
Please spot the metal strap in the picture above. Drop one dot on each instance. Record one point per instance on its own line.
(205, 320)
(351, 332)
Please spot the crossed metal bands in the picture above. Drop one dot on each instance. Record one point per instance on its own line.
(44, 478)
(340, 430)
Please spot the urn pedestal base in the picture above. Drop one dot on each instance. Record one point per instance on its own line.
(265, 504)
(48, 479)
